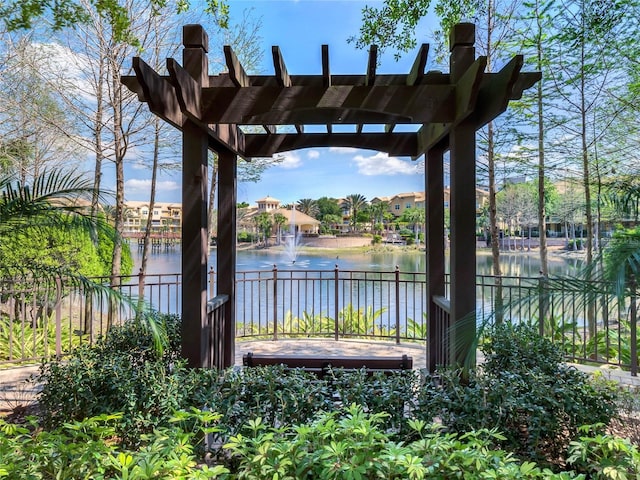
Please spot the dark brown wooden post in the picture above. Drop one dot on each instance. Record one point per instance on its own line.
(226, 250)
(194, 206)
(462, 142)
(434, 187)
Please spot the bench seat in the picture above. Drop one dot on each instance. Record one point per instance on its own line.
(319, 365)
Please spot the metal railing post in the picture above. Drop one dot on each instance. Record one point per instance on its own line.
(211, 282)
(397, 272)
(58, 318)
(275, 302)
(335, 303)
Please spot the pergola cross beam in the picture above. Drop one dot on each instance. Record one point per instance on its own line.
(444, 110)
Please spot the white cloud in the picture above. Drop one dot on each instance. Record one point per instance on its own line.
(344, 150)
(290, 160)
(382, 164)
(313, 154)
(135, 185)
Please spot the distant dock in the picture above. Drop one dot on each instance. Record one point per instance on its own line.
(164, 241)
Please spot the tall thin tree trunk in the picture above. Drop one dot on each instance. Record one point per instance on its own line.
(493, 217)
(542, 214)
(120, 148)
(152, 202)
(97, 175)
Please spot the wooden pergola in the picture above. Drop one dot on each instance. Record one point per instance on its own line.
(445, 110)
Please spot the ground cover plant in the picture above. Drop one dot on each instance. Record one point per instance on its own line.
(126, 409)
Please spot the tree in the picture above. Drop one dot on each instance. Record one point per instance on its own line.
(308, 206)
(587, 63)
(416, 217)
(20, 15)
(328, 206)
(264, 224)
(354, 203)
(46, 230)
(36, 128)
(279, 220)
(378, 212)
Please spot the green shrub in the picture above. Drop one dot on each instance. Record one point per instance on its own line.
(278, 396)
(122, 372)
(246, 237)
(525, 391)
(392, 394)
(377, 239)
(353, 445)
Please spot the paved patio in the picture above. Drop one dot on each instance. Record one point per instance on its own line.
(16, 390)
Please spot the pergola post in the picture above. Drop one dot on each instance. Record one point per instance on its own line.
(462, 143)
(226, 247)
(435, 246)
(194, 211)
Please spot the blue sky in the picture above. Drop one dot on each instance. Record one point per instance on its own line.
(300, 27)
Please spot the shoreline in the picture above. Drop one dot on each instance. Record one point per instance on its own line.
(553, 250)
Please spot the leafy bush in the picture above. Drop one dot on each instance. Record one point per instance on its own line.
(390, 394)
(278, 396)
(352, 445)
(246, 237)
(122, 372)
(525, 391)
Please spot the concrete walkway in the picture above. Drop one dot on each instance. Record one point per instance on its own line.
(17, 391)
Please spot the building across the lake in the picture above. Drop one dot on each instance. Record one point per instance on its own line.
(295, 219)
(401, 202)
(166, 217)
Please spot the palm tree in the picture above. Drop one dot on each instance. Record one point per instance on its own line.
(378, 211)
(415, 216)
(354, 203)
(264, 224)
(279, 220)
(308, 206)
(59, 201)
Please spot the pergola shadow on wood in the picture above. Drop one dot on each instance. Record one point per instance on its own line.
(446, 110)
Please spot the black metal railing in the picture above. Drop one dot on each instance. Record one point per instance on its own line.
(40, 320)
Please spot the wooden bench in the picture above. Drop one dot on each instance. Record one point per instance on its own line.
(320, 365)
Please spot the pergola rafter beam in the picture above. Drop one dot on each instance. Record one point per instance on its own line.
(159, 94)
(465, 102)
(372, 65)
(282, 76)
(417, 70)
(326, 71)
(188, 92)
(236, 71)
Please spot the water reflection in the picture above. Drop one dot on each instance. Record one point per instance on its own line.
(512, 264)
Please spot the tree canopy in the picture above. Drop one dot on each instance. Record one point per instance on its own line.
(22, 14)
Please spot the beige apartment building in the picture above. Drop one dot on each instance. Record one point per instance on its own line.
(166, 217)
(401, 202)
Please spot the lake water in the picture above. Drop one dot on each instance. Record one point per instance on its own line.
(255, 305)
(520, 264)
